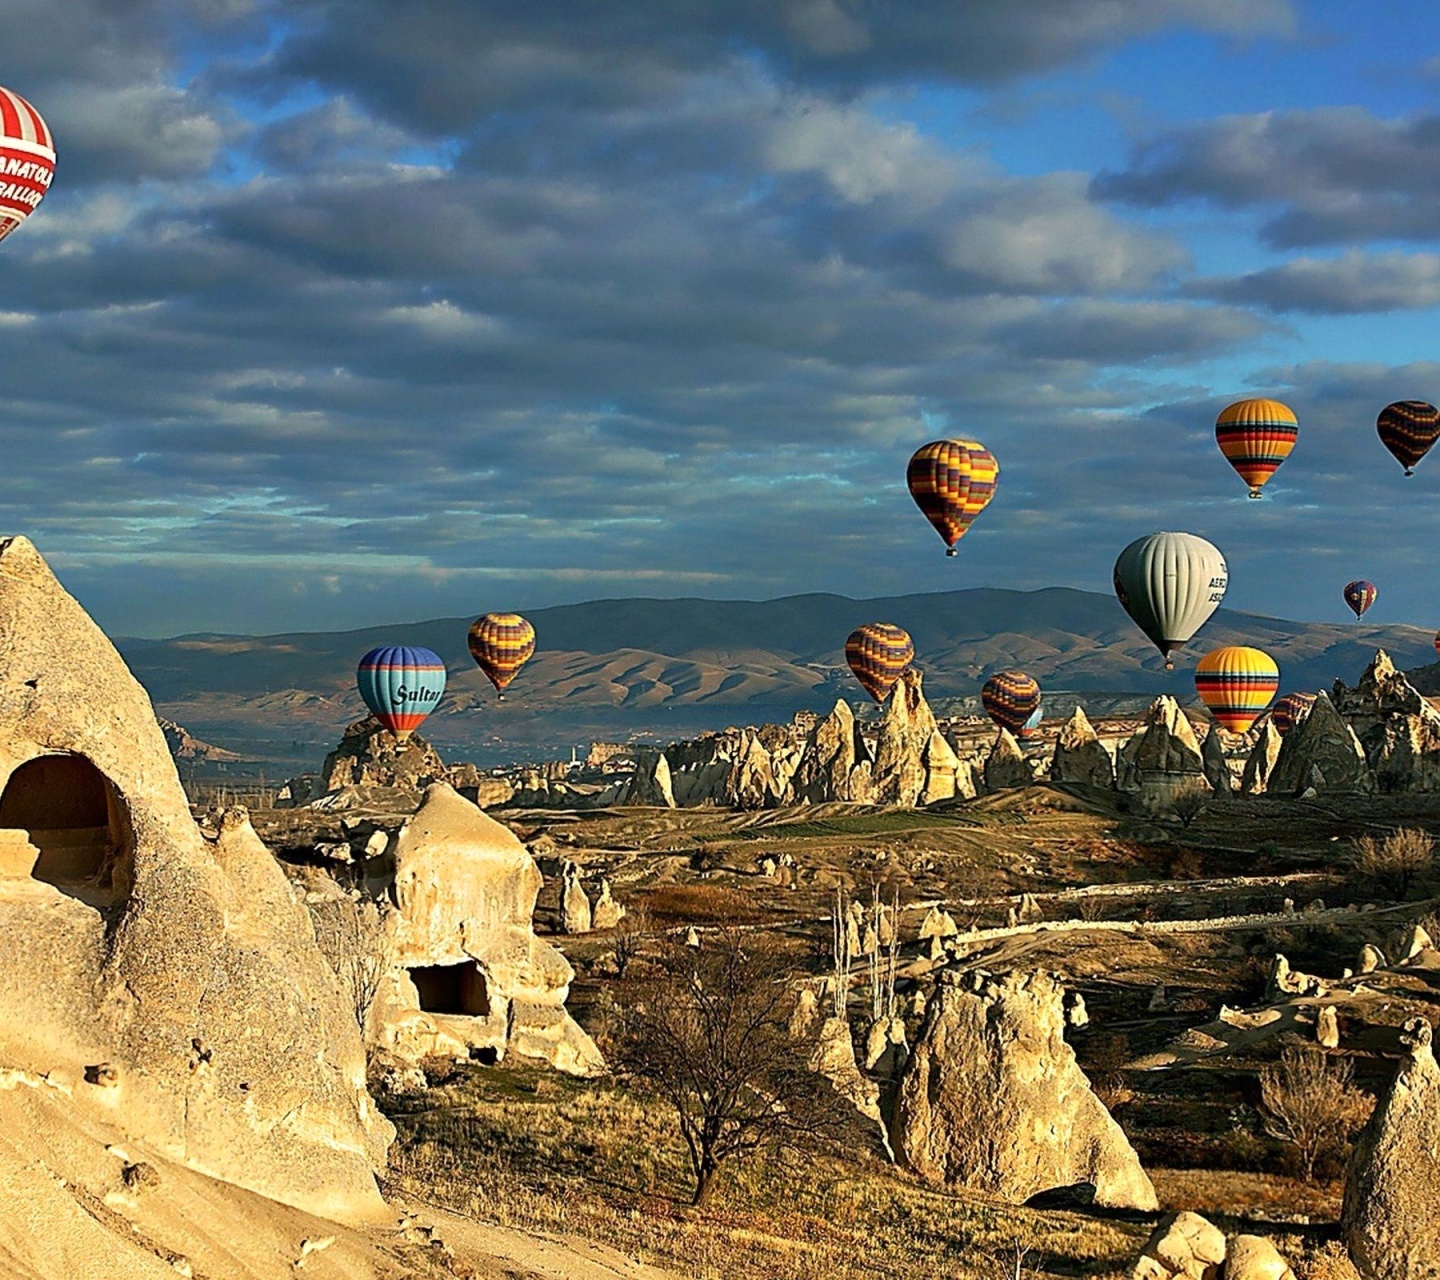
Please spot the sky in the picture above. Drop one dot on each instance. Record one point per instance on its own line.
(344, 312)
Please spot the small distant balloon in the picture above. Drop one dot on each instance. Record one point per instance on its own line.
(401, 685)
(1011, 698)
(501, 643)
(1256, 436)
(1290, 710)
(951, 482)
(27, 160)
(1170, 584)
(1236, 683)
(1437, 643)
(1360, 595)
(878, 654)
(1408, 428)
(1032, 724)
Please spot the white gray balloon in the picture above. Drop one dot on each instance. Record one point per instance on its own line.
(1170, 584)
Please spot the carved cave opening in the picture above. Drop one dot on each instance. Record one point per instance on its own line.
(452, 988)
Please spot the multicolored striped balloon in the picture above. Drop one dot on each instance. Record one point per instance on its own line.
(1236, 683)
(401, 685)
(878, 654)
(1010, 698)
(1032, 724)
(27, 160)
(952, 481)
(1360, 595)
(1408, 428)
(501, 643)
(1256, 436)
(1290, 710)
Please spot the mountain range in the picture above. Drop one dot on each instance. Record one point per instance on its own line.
(649, 668)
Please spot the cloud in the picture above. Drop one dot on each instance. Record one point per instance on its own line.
(1351, 284)
(1326, 176)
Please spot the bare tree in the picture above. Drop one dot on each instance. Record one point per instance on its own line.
(1311, 1104)
(349, 933)
(882, 963)
(840, 956)
(1395, 860)
(629, 936)
(1188, 801)
(710, 1034)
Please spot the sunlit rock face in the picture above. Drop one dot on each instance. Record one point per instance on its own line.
(1398, 730)
(180, 976)
(1323, 753)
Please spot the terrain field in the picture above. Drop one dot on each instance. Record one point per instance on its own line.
(1160, 928)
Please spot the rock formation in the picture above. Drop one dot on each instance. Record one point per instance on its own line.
(1162, 755)
(993, 1099)
(372, 756)
(1391, 1218)
(1321, 752)
(184, 746)
(650, 784)
(906, 732)
(1217, 767)
(606, 913)
(182, 978)
(836, 764)
(1006, 765)
(1260, 763)
(575, 913)
(1080, 756)
(1397, 728)
(466, 974)
(1185, 1246)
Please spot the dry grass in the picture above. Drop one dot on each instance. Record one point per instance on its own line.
(701, 904)
(531, 1151)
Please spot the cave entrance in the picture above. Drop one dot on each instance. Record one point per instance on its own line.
(63, 822)
(452, 988)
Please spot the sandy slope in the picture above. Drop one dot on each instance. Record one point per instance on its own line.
(67, 1213)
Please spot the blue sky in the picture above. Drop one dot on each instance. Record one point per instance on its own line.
(343, 311)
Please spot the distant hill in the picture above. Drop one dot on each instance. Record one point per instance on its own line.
(662, 667)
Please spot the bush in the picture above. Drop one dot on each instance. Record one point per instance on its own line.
(1188, 801)
(1395, 860)
(1311, 1104)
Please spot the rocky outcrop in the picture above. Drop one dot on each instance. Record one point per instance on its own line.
(606, 912)
(1217, 767)
(903, 743)
(836, 763)
(1321, 752)
(1397, 728)
(1006, 765)
(650, 784)
(1080, 756)
(576, 915)
(466, 975)
(184, 746)
(1162, 755)
(1391, 1218)
(180, 976)
(1260, 763)
(1185, 1246)
(371, 756)
(992, 1099)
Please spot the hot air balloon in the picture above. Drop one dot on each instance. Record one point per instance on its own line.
(878, 654)
(1290, 710)
(1360, 595)
(1256, 436)
(1437, 642)
(951, 482)
(27, 160)
(401, 685)
(501, 643)
(1170, 584)
(1236, 683)
(1408, 428)
(1033, 723)
(1010, 698)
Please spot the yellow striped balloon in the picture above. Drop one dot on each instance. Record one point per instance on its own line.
(1237, 684)
(1256, 436)
(501, 643)
(952, 481)
(878, 654)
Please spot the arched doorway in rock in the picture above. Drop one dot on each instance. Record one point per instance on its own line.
(452, 988)
(62, 821)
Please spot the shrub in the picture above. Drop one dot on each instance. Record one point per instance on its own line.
(1395, 860)
(1188, 801)
(1311, 1104)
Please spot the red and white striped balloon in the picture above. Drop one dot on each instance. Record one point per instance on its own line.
(27, 160)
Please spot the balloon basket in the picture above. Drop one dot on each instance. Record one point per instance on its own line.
(1254, 493)
(950, 551)
(1408, 472)
(1169, 665)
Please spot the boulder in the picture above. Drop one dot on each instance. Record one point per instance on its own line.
(834, 1058)
(992, 1099)
(650, 783)
(188, 970)
(1321, 752)
(1255, 1258)
(1162, 755)
(1260, 763)
(1391, 1215)
(1327, 1028)
(1006, 765)
(1183, 1246)
(1080, 756)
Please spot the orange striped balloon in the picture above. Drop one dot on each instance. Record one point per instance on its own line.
(878, 654)
(501, 643)
(1236, 683)
(1256, 436)
(1408, 428)
(1010, 698)
(952, 481)
(1290, 710)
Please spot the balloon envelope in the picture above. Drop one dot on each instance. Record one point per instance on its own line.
(1033, 723)
(1360, 595)
(1408, 428)
(1010, 698)
(501, 643)
(1170, 584)
(1236, 683)
(1256, 436)
(27, 160)
(951, 482)
(1290, 710)
(878, 654)
(401, 685)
